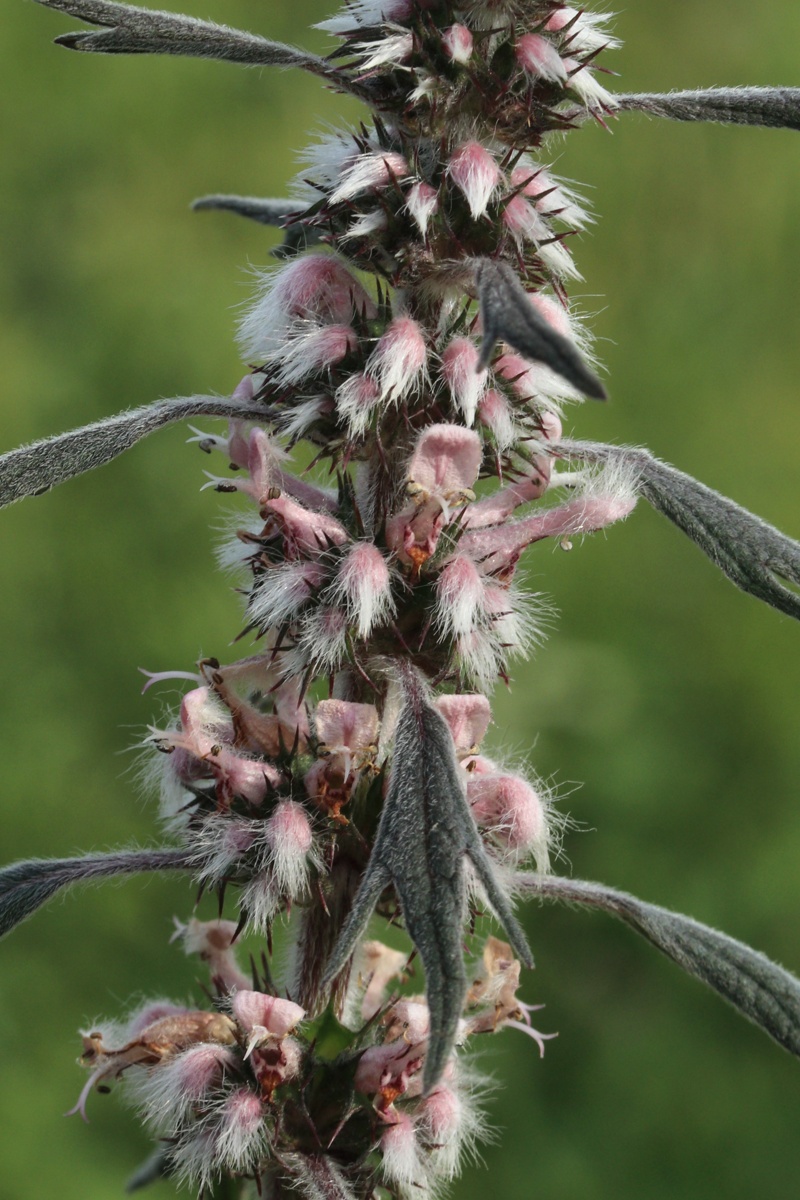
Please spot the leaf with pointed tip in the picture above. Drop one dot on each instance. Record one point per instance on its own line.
(425, 832)
(759, 989)
(26, 886)
(133, 30)
(266, 212)
(37, 468)
(776, 108)
(297, 237)
(508, 315)
(753, 554)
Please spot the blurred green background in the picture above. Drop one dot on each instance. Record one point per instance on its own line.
(664, 706)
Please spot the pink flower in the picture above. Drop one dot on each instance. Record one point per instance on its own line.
(522, 219)
(401, 1161)
(289, 840)
(496, 414)
(368, 172)
(459, 597)
(443, 468)
(346, 728)
(314, 287)
(494, 509)
(276, 1063)
(304, 533)
(313, 348)
(241, 1133)
(267, 1016)
(356, 400)
(348, 734)
(468, 717)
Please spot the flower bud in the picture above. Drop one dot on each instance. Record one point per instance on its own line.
(457, 43)
(476, 174)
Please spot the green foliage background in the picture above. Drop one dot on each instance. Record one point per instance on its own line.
(670, 696)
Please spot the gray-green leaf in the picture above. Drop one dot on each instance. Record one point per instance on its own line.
(26, 886)
(507, 315)
(425, 832)
(758, 988)
(34, 469)
(753, 554)
(775, 107)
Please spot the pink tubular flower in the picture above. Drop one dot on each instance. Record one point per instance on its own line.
(494, 509)
(304, 532)
(313, 348)
(401, 1163)
(422, 201)
(203, 749)
(552, 198)
(241, 1133)
(476, 174)
(276, 1063)
(496, 414)
(263, 1017)
(169, 1094)
(346, 728)
(522, 219)
(282, 591)
(348, 735)
(444, 466)
(460, 370)
(468, 717)
(445, 463)
(498, 548)
(457, 42)
(539, 57)
(356, 400)
(397, 363)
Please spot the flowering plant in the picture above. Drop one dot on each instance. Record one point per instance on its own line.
(425, 355)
